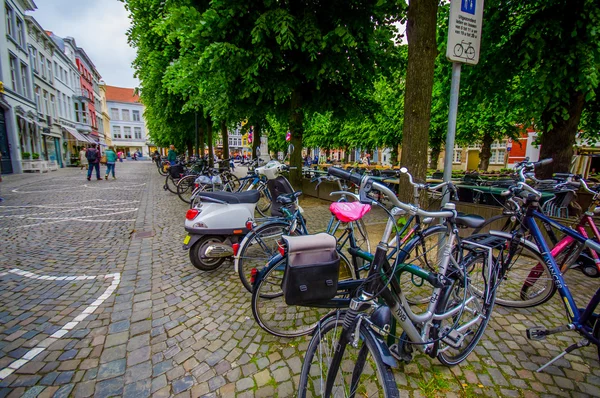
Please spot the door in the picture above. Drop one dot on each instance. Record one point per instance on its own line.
(6, 163)
(59, 158)
(473, 160)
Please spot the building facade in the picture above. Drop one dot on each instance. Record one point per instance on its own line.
(18, 111)
(105, 118)
(127, 125)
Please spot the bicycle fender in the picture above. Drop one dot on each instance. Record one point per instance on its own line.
(384, 351)
(236, 258)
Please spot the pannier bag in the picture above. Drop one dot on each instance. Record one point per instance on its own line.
(176, 171)
(312, 270)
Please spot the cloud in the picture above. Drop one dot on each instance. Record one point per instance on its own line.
(99, 27)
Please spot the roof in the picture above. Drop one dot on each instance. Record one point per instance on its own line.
(121, 94)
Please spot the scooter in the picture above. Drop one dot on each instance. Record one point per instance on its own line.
(217, 226)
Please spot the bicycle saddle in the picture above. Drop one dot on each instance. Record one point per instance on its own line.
(289, 198)
(349, 211)
(231, 197)
(469, 220)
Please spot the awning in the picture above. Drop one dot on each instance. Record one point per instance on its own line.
(76, 134)
(102, 142)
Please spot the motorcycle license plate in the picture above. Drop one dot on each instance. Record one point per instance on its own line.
(186, 240)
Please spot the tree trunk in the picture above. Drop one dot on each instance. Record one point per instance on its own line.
(486, 151)
(256, 139)
(209, 139)
(190, 148)
(296, 129)
(557, 143)
(225, 137)
(200, 140)
(435, 156)
(422, 51)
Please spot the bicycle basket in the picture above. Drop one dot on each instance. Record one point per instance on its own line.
(176, 171)
(312, 270)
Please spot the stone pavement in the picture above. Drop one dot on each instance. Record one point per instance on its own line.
(98, 299)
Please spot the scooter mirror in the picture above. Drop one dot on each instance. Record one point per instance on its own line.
(290, 149)
(257, 152)
(404, 170)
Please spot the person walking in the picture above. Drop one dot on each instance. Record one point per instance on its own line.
(111, 159)
(120, 156)
(83, 162)
(93, 157)
(172, 155)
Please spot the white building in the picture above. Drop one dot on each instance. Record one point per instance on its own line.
(66, 83)
(127, 125)
(17, 107)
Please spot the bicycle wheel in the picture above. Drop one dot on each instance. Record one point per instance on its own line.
(185, 188)
(257, 248)
(171, 184)
(423, 251)
(231, 182)
(358, 234)
(501, 222)
(264, 203)
(361, 367)
(162, 169)
(527, 281)
(461, 332)
(276, 317)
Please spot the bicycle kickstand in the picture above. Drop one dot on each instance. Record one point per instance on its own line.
(571, 348)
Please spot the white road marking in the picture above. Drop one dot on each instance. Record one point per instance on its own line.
(35, 351)
(78, 188)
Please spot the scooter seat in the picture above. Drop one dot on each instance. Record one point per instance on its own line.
(231, 198)
(349, 211)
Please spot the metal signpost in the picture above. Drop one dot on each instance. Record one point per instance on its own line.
(464, 37)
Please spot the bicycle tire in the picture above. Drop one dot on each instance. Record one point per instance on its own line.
(257, 247)
(452, 297)
(185, 188)
(171, 184)
(232, 182)
(275, 316)
(161, 170)
(264, 203)
(324, 341)
(527, 281)
(501, 222)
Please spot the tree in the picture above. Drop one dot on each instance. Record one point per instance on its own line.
(540, 59)
(422, 52)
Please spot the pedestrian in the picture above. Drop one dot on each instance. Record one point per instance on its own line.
(135, 156)
(120, 156)
(83, 162)
(111, 159)
(93, 157)
(172, 155)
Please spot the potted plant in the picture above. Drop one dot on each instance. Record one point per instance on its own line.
(35, 156)
(25, 155)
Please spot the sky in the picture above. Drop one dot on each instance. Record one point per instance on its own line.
(99, 27)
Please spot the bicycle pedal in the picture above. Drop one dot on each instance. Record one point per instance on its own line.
(537, 333)
(453, 338)
(400, 356)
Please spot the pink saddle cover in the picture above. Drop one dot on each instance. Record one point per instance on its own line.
(349, 211)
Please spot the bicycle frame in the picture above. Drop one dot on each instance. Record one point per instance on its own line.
(578, 319)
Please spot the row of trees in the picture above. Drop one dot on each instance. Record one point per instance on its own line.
(337, 75)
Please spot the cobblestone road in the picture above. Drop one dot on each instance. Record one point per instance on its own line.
(91, 307)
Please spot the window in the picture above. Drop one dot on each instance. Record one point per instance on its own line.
(64, 103)
(84, 118)
(114, 113)
(70, 109)
(34, 62)
(13, 72)
(60, 105)
(10, 29)
(20, 33)
(116, 131)
(498, 152)
(46, 103)
(24, 80)
(77, 116)
(127, 132)
(52, 106)
(43, 66)
(50, 71)
(57, 70)
(135, 115)
(126, 115)
(457, 154)
(138, 133)
(38, 100)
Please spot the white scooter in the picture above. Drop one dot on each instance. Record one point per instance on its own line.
(216, 227)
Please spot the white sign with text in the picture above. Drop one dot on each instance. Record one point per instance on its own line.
(464, 31)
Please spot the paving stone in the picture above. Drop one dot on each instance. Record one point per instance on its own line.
(183, 384)
(111, 369)
(85, 389)
(109, 388)
(139, 389)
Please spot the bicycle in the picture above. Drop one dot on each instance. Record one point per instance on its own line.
(528, 282)
(355, 337)
(581, 320)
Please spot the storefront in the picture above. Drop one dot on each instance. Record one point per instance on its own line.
(51, 148)
(73, 142)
